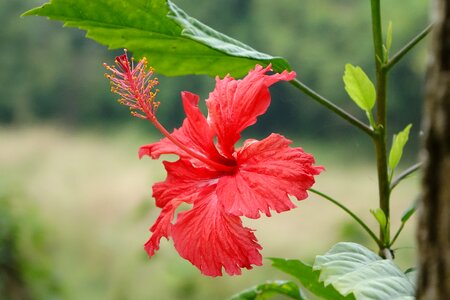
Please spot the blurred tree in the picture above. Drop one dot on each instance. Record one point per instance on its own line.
(434, 221)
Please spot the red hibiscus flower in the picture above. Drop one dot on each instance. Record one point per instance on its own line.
(222, 183)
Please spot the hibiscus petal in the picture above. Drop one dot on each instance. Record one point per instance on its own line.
(268, 171)
(184, 184)
(195, 133)
(211, 239)
(164, 146)
(161, 228)
(235, 104)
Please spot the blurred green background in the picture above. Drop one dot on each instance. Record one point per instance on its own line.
(75, 202)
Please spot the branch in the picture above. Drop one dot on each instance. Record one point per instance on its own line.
(399, 55)
(334, 108)
(405, 174)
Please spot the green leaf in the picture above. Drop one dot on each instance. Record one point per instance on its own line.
(383, 221)
(411, 273)
(308, 278)
(389, 36)
(268, 290)
(388, 44)
(409, 212)
(359, 87)
(380, 216)
(398, 144)
(174, 43)
(352, 268)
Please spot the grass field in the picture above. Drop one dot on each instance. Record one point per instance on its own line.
(92, 197)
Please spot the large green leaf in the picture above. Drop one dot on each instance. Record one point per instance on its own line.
(308, 277)
(352, 268)
(268, 290)
(174, 43)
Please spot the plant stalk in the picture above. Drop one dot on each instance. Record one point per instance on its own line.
(381, 119)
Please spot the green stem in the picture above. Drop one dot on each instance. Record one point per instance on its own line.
(376, 31)
(405, 174)
(334, 108)
(383, 180)
(348, 211)
(399, 55)
(380, 138)
(397, 234)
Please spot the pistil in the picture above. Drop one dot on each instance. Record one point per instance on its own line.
(134, 86)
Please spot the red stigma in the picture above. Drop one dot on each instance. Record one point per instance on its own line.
(122, 61)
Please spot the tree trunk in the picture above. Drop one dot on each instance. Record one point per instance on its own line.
(434, 209)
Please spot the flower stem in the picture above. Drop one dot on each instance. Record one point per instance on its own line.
(353, 215)
(334, 108)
